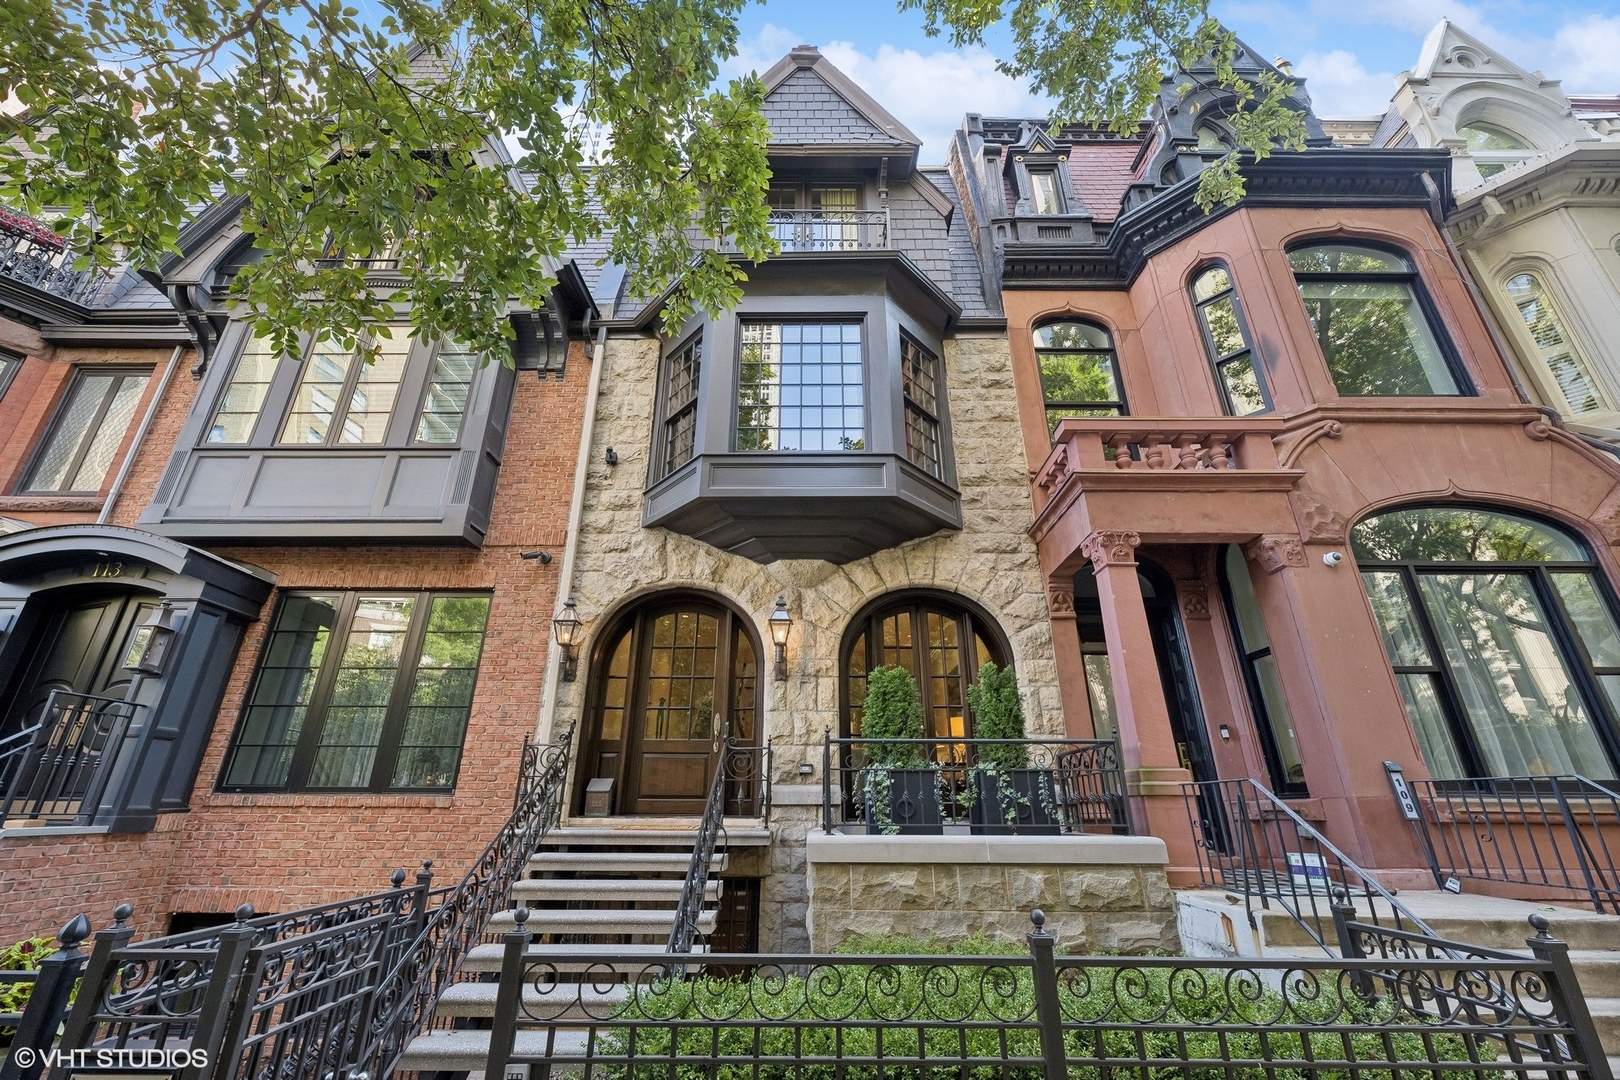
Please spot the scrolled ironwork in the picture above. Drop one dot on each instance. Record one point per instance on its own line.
(738, 775)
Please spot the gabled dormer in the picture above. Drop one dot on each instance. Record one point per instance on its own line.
(1488, 111)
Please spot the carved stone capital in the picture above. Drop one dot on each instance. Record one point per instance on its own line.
(1275, 552)
(1318, 522)
(1059, 600)
(1607, 516)
(1194, 599)
(1110, 549)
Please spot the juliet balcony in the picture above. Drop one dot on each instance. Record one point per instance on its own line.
(800, 231)
(34, 256)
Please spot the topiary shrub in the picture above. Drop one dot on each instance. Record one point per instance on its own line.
(893, 710)
(998, 714)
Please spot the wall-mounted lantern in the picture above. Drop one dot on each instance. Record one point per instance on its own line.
(149, 648)
(781, 624)
(565, 628)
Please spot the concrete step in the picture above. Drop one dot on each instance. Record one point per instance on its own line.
(1598, 972)
(638, 863)
(633, 832)
(1488, 921)
(640, 923)
(667, 890)
(467, 1051)
(488, 957)
(572, 1001)
(1606, 1018)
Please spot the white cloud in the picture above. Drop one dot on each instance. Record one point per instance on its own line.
(1340, 86)
(1584, 53)
(929, 93)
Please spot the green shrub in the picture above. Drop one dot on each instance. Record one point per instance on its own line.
(25, 955)
(893, 710)
(998, 714)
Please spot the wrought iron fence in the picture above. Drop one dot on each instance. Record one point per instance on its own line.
(61, 774)
(28, 258)
(1029, 787)
(1252, 843)
(1551, 832)
(13, 749)
(1038, 1016)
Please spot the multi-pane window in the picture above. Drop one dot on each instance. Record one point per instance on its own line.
(1371, 322)
(1503, 640)
(682, 368)
(941, 645)
(1226, 337)
(445, 403)
(809, 217)
(10, 364)
(1568, 368)
(1079, 371)
(1043, 192)
(345, 397)
(1264, 683)
(919, 369)
(361, 692)
(87, 431)
(239, 406)
(800, 386)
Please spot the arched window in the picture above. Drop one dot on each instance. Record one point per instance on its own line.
(1226, 338)
(1079, 371)
(1553, 345)
(669, 677)
(1372, 321)
(1211, 139)
(941, 642)
(1493, 148)
(1503, 639)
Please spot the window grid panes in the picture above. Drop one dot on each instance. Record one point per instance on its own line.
(10, 364)
(1079, 371)
(449, 388)
(346, 397)
(1226, 337)
(919, 371)
(239, 405)
(361, 692)
(931, 641)
(681, 371)
(1569, 370)
(1370, 323)
(89, 427)
(800, 387)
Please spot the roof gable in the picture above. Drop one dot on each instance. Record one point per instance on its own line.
(1451, 51)
(809, 102)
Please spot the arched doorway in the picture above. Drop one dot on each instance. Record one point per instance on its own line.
(669, 680)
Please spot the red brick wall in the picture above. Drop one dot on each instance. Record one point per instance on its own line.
(284, 851)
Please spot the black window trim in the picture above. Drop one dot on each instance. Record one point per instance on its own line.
(80, 373)
(10, 364)
(1122, 403)
(1259, 715)
(908, 404)
(393, 727)
(1413, 277)
(340, 412)
(1216, 361)
(433, 352)
(658, 467)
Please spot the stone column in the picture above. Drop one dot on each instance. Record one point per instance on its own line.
(1153, 771)
(1078, 723)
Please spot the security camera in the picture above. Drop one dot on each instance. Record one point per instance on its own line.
(1333, 558)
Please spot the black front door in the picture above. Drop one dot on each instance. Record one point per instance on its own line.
(1176, 673)
(78, 649)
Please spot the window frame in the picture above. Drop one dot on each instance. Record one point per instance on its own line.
(1120, 405)
(784, 318)
(1412, 277)
(909, 405)
(663, 419)
(1574, 337)
(1060, 204)
(434, 351)
(396, 713)
(10, 364)
(1260, 717)
(1216, 361)
(80, 374)
(345, 396)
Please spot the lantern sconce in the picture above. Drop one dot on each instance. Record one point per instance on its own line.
(781, 624)
(149, 648)
(565, 628)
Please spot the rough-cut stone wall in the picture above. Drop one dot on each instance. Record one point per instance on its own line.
(1099, 894)
(991, 561)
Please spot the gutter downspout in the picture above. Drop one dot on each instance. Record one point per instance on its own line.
(576, 512)
(140, 436)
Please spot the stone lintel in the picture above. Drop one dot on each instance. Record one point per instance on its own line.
(987, 850)
(1149, 781)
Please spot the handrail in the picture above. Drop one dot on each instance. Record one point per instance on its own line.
(12, 749)
(63, 770)
(1264, 851)
(689, 910)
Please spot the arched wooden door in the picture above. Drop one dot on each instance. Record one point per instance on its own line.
(672, 678)
(79, 648)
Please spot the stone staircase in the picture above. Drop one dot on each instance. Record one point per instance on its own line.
(609, 887)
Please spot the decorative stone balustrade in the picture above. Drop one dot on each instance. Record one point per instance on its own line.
(1152, 444)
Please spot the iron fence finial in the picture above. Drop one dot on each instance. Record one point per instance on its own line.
(244, 913)
(1541, 925)
(76, 930)
(1038, 917)
(520, 916)
(122, 914)
(398, 877)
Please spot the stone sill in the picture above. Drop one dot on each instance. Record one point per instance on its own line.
(54, 830)
(988, 850)
(52, 504)
(295, 799)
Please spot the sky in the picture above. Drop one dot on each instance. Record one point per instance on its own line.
(1348, 51)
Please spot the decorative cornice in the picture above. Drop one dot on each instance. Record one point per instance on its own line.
(1275, 552)
(1110, 548)
(1318, 522)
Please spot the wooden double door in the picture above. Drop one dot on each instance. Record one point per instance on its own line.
(79, 648)
(672, 679)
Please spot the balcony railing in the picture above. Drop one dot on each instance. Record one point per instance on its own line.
(61, 775)
(31, 255)
(992, 786)
(818, 230)
(1153, 444)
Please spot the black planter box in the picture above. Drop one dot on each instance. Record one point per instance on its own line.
(913, 802)
(1034, 804)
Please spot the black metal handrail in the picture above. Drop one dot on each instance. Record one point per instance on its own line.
(1046, 1017)
(1250, 842)
(13, 748)
(63, 772)
(1551, 832)
(1018, 786)
(689, 909)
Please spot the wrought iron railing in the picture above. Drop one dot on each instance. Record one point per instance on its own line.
(830, 230)
(62, 774)
(1549, 832)
(13, 748)
(993, 786)
(1039, 1016)
(683, 931)
(31, 254)
(1251, 843)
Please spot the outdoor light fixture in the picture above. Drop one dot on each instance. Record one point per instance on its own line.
(149, 649)
(781, 626)
(565, 628)
(543, 556)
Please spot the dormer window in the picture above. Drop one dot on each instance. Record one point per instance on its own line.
(1212, 139)
(1493, 148)
(1043, 192)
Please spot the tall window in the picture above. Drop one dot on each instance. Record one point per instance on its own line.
(679, 405)
(1043, 192)
(919, 369)
(239, 406)
(800, 387)
(346, 397)
(1079, 371)
(87, 431)
(1226, 336)
(1493, 148)
(1569, 370)
(10, 364)
(449, 387)
(809, 217)
(942, 644)
(1266, 700)
(1503, 639)
(1371, 321)
(361, 692)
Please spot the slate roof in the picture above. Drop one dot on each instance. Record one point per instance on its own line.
(804, 110)
(966, 286)
(1101, 173)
